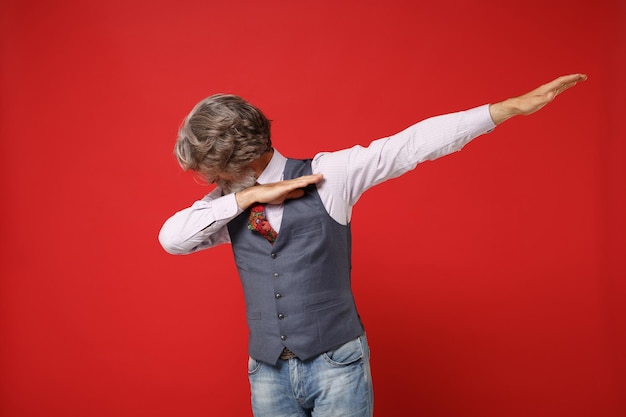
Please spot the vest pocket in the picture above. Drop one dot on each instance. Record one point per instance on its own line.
(323, 304)
(304, 230)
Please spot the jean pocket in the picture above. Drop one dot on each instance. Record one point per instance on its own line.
(253, 365)
(346, 354)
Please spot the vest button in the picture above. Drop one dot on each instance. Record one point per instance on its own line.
(283, 338)
(281, 316)
(277, 295)
(273, 255)
(276, 274)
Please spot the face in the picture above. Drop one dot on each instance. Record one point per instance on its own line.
(232, 183)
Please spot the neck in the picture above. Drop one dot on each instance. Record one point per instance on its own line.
(259, 164)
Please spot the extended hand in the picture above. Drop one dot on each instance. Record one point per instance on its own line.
(277, 192)
(534, 100)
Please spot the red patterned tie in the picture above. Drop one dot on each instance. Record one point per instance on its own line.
(258, 222)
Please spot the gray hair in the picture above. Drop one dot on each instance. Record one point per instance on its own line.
(222, 134)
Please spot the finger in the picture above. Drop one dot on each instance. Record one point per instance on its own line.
(567, 81)
(310, 179)
(559, 85)
(305, 180)
(572, 78)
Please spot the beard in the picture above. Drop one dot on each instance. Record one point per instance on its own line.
(241, 182)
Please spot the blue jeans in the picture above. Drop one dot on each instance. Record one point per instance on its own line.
(337, 383)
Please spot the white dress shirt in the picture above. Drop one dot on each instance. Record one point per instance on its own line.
(347, 175)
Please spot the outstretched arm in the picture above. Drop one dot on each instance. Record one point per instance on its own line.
(534, 100)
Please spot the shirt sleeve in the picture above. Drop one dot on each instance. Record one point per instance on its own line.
(349, 173)
(201, 226)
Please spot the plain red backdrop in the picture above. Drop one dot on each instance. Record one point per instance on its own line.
(494, 285)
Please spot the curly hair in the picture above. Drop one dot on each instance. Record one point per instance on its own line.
(222, 134)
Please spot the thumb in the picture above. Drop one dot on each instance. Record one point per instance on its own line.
(295, 194)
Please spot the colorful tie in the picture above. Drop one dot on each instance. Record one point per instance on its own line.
(258, 222)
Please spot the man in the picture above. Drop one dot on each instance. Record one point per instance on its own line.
(289, 225)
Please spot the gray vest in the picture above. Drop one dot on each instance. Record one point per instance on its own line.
(297, 291)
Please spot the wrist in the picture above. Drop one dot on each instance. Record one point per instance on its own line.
(503, 110)
(245, 198)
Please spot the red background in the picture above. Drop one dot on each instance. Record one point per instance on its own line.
(497, 288)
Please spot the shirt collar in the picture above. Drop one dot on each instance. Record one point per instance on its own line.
(273, 172)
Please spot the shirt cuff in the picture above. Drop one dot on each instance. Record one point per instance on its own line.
(225, 207)
(479, 120)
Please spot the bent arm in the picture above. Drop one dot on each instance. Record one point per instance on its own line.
(201, 226)
(204, 224)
